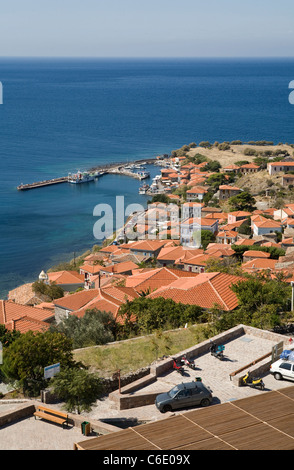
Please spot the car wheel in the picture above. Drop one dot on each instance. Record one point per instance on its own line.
(166, 408)
(205, 402)
(277, 376)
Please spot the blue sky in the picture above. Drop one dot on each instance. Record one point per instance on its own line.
(150, 28)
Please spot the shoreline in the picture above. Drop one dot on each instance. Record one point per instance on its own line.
(110, 166)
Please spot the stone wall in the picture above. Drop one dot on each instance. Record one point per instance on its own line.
(24, 410)
(126, 399)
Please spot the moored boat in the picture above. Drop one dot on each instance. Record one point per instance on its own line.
(81, 177)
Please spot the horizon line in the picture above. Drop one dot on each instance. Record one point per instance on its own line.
(144, 57)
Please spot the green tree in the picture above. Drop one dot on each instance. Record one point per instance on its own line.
(7, 336)
(95, 327)
(78, 388)
(255, 292)
(245, 227)
(213, 166)
(225, 265)
(207, 237)
(144, 314)
(159, 198)
(53, 291)
(25, 358)
(244, 201)
(215, 180)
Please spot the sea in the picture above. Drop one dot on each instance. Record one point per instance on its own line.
(63, 115)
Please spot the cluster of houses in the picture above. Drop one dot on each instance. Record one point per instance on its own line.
(122, 272)
(195, 177)
(166, 259)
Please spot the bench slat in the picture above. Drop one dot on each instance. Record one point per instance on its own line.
(50, 417)
(49, 410)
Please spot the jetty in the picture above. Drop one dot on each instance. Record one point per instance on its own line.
(116, 168)
(40, 184)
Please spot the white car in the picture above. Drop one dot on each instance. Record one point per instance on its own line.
(282, 369)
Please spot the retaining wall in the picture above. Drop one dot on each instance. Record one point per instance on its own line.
(126, 399)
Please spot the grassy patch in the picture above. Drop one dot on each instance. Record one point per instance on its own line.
(131, 355)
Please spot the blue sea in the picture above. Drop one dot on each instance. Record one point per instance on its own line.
(62, 115)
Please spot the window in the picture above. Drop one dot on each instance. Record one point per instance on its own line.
(285, 365)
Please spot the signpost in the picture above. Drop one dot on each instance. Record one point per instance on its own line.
(51, 371)
(1, 353)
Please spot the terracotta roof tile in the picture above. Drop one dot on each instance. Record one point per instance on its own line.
(77, 300)
(23, 317)
(11, 311)
(205, 290)
(66, 277)
(25, 324)
(259, 264)
(256, 254)
(155, 278)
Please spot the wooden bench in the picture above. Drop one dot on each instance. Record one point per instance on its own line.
(51, 415)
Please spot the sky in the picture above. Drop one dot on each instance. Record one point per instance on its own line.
(146, 28)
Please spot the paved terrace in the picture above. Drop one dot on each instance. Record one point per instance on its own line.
(36, 434)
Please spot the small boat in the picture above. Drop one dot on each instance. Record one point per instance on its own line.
(143, 174)
(143, 189)
(81, 177)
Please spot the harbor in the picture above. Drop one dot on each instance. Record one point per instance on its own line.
(134, 170)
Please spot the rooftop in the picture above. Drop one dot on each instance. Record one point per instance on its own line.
(205, 290)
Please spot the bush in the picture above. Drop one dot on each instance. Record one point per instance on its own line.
(224, 146)
(95, 327)
(78, 388)
(49, 290)
(249, 151)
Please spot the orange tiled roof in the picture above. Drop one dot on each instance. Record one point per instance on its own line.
(196, 190)
(267, 223)
(226, 250)
(91, 268)
(66, 277)
(250, 165)
(77, 300)
(259, 264)
(256, 254)
(240, 213)
(205, 290)
(227, 234)
(120, 267)
(245, 241)
(147, 245)
(11, 312)
(228, 187)
(281, 164)
(108, 299)
(203, 221)
(155, 278)
(176, 253)
(200, 260)
(25, 324)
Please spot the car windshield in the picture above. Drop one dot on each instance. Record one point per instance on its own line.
(173, 392)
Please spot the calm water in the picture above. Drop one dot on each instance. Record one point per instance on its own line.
(63, 115)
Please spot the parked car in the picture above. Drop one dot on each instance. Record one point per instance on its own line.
(184, 395)
(282, 369)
